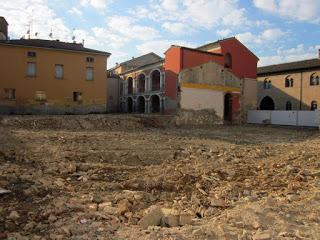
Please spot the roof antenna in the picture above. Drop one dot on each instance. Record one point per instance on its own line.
(29, 32)
(51, 34)
(73, 36)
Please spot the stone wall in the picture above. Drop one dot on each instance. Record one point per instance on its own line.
(197, 118)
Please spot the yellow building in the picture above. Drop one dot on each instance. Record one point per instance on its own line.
(289, 86)
(42, 76)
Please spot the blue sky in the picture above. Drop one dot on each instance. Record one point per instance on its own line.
(275, 30)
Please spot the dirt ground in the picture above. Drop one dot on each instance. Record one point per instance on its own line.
(121, 177)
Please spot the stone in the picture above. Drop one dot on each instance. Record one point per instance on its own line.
(170, 221)
(123, 206)
(262, 236)
(218, 203)
(152, 218)
(108, 208)
(185, 219)
(14, 215)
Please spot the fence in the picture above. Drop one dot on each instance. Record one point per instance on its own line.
(286, 118)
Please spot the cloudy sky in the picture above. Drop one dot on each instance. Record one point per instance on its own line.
(275, 30)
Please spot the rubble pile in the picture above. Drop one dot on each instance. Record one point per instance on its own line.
(155, 183)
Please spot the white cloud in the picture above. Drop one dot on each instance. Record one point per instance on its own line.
(98, 4)
(160, 46)
(224, 32)
(194, 13)
(22, 13)
(300, 52)
(268, 35)
(176, 28)
(127, 27)
(306, 10)
(75, 11)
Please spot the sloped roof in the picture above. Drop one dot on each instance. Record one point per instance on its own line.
(225, 40)
(136, 61)
(50, 44)
(4, 20)
(290, 67)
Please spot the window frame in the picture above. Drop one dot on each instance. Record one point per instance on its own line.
(92, 69)
(10, 92)
(31, 54)
(77, 97)
(90, 59)
(55, 71)
(314, 105)
(35, 69)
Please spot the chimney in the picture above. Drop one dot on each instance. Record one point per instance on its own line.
(3, 29)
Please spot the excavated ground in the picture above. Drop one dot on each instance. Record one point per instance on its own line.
(126, 177)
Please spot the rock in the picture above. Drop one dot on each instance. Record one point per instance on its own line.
(218, 203)
(14, 215)
(107, 208)
(29, 226)
(152, 218)
(262, 236)
(185, 220)
(123, 206)
(97, 199)
(170, 221)
(4, 191)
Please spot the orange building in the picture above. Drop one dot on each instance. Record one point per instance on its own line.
(50, 77)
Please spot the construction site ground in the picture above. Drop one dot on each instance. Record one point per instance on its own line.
(139, 177)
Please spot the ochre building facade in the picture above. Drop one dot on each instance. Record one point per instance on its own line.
(290, 86)
(51, 77)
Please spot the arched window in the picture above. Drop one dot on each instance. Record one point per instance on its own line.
(288, 106)
(314, 105)
(228, 60)
(314, 80)
(288, 82)
(267, 84)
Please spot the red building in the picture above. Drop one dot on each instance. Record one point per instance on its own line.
(234, 61)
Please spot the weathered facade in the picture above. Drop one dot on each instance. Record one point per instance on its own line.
(219, 66)
(213, 87)
(289, 86)
(51, 77)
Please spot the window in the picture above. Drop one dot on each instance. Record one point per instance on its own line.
(288, 106)
(314, 80)
(31, 69)
(288, 82)
(59, 71)
(32, 54)
(90, 59)
(10, 93)
(77, 96)
(89, 74)
(267, 84)
(41, 96)
(228, 61)
(314, 105)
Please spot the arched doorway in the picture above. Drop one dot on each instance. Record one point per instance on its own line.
(267, 103)
(155, 104)
(228, 107)
(130, 85)
(141, 104)
(155, 80)
(130, 105)
(141, 83)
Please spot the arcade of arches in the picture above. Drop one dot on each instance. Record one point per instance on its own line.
(143, 93)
